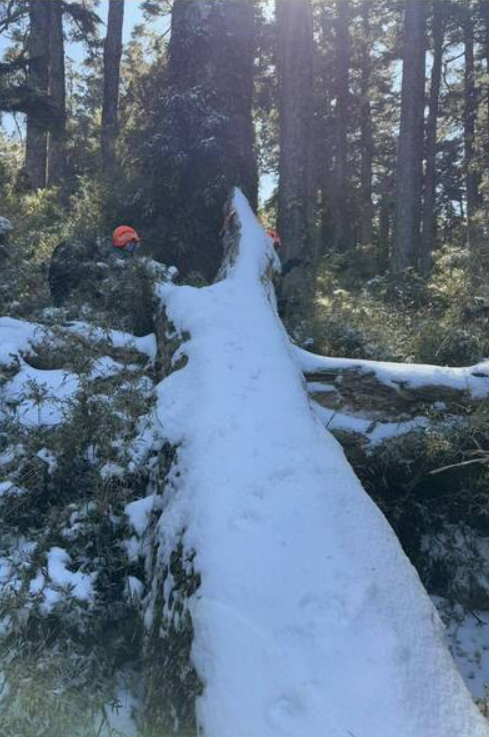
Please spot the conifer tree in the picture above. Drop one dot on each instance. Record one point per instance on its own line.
(57, 92)
(428, 218)
(205, 142)
(367, 141)
(112, 61)
(407, 218)
(342, 209)
(38, 78)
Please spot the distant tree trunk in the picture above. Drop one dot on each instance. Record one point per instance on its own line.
(343, 234)
(409, 172)
(57, 90)
(294, 24)
(485, 15)
(385, 226)
(428, 220)
(327, 193)
(112, 63)
(470, 114)
(205, 142)
(38, 48)
(367, 141)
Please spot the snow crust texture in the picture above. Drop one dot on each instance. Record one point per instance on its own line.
(309, 620)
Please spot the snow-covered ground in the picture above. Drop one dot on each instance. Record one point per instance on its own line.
(309, 619)
(468, 638)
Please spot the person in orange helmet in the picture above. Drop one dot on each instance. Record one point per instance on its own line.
(125, 240)
(273, 234)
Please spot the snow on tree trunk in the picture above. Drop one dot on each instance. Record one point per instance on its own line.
(281, 602)
(379, 400)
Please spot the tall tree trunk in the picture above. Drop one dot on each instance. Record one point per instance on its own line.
(206, 140)
(409, 172)
(343, 234)
(112, 64)
(57, 90)
(324, 141)
(38, 48)
(470, 114)
(367, 141)
(295, 67)
(428, 220)
(384, 230)
(484, 5)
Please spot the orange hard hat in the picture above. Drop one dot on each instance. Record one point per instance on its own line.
(123, 235)
(275, 237)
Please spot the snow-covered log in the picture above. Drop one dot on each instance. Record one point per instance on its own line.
(378, 400)
(281, 602)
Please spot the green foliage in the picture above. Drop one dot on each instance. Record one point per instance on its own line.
(433, 488)
(62, 662)
(439, 321)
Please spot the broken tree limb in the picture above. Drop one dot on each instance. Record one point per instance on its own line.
(380, 400)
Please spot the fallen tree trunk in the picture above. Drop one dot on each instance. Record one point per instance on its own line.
(280, 601)
(380, 400)
(392, 389)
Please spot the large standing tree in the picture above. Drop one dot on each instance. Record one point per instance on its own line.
(430, 181)
(407, 218)
(38, 80)
(57, 92)
(112, 63)
(205, 141)
(366, 133)
(472, 176)
(342, 210)
(294, 23)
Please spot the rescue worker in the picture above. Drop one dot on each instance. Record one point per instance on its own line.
(72, 263)
(273, 234)
(76, 262)
(125, 240)
(291, 263)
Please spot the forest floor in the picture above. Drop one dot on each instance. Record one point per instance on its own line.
(77, 494)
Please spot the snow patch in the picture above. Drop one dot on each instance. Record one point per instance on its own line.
(40, 397)
(80, 585)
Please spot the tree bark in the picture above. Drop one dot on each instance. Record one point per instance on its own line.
(429, 200)
(410, 150)
(206, 138)
(295, 68)
(367, 141)
(379, 400)
(112, 63)
(484, 5)
(343, 234)
(38, 80)
(470, 114)
(385, 229)
(57, 91)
